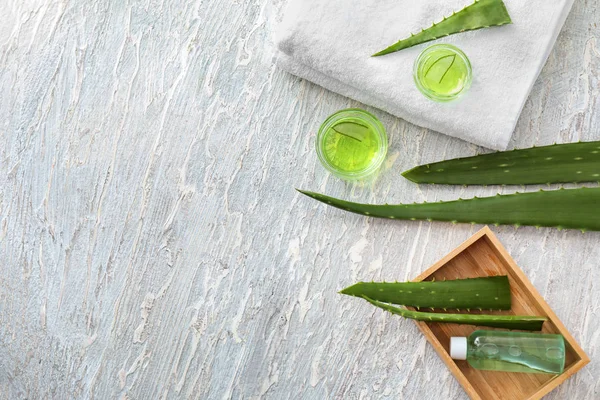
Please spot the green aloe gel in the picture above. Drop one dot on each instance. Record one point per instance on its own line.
(442, 72)
(352, 144)
(511, 351)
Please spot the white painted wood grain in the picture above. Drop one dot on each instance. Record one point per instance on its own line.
(151, 241)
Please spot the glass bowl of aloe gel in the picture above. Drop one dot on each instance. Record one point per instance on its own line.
(352, 144)
(442, 72)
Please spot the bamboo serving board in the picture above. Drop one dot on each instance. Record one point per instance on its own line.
(483, 255)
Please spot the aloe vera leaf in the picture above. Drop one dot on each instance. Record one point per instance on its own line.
(480, 14)
(562, 209)
(526, 323)
(475, 293)
(352, 130)
(559, 163)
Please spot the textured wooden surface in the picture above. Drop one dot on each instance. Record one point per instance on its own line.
(151, 242)
(483, 255)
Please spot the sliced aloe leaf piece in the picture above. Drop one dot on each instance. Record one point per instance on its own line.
(491, 293)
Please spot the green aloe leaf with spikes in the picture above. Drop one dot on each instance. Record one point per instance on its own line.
(559, 163)
(529, 323)
(562, 209)
(475, 293)
(480, 14)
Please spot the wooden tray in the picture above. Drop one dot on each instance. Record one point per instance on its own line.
(483, 255)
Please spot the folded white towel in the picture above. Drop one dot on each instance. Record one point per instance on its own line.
(329, 42)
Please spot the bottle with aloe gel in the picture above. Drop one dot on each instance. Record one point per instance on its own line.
(511, 351)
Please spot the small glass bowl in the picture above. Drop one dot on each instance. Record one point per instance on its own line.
(366, 119)
(423, 65)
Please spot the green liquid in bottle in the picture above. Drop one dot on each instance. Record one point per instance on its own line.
(350, 145)
(443, 72)
(511, 351)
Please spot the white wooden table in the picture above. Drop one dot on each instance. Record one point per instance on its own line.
(151, 241)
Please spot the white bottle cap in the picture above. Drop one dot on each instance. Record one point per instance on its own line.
(458, 348)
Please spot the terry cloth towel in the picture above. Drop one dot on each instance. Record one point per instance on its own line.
(329, 42)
